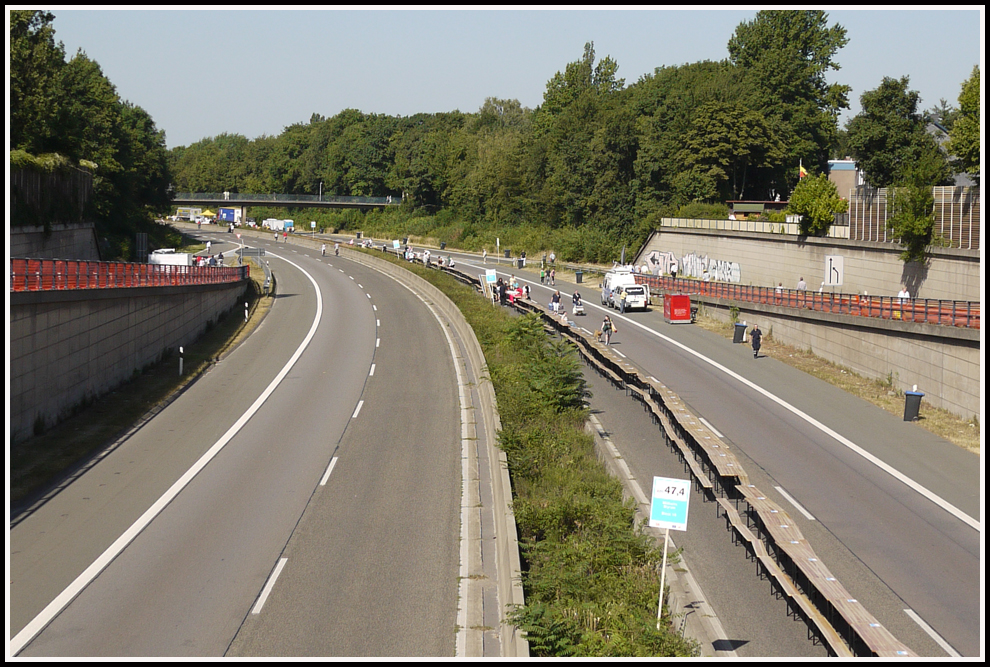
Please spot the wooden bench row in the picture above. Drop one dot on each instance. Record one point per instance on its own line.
(694, 440)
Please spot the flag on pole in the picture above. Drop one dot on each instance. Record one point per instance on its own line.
(802, 172)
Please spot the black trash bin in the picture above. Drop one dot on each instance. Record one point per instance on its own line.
(508, 254)
(579, 276)
(739, 334)
(443, 245)
(912, 404)
(357, 234)
(521, 262)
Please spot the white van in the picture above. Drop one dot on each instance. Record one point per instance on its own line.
(637, 296)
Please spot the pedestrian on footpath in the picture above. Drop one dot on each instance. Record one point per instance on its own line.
(757, 337)
(553, 277)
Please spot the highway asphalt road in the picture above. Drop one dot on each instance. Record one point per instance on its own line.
(901, 530)
(339, 471)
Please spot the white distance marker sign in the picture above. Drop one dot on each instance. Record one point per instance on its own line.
(669, 506)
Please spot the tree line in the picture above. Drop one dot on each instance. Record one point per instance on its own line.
(594, 167)
(65, 115)
(597, 155)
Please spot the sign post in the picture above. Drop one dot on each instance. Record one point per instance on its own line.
(668, 510)
(833, 271)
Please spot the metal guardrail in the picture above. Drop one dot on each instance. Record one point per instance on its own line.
(843, 625)
(965, 314)
(39, 275)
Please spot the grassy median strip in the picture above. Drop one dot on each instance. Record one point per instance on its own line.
(590, 573)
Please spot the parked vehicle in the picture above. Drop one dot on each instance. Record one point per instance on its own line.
(637, 296)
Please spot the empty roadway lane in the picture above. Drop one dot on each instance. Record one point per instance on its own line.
(165, 547)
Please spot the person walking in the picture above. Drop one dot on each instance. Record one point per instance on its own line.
(543, 275)
(607, 329)
(553, 277)
(323, 249)
(555, 301)
(622, 300)
(756, 336)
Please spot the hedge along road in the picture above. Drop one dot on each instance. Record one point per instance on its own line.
(894, 507)
(129, 561)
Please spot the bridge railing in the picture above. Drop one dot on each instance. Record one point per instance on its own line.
(964, 314)
(220, 197)
(38, 275)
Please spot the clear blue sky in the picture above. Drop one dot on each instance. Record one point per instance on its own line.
(202, 73)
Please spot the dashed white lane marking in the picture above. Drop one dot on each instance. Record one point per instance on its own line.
(360, 285)
(375, 307)
(701, 419)
(931, 633)
(378, 341)
(372, 373)
(367, 295)
(797, 505)
(38, 623)
(357, 409)
(378, 323)
(269, 586)
(326, 475)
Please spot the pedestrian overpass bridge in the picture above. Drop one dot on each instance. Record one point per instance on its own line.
(228, 199)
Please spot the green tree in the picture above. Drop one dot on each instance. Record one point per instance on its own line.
(816, 200)
(36, 63)
(787, 54)
(729, 142)
(911, 204)
(888, 136)
(964, 137)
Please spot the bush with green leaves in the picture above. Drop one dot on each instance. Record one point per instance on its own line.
(816, 200)
(590, 574)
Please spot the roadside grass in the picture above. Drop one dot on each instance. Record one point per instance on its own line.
(962, 433)
(42, 462)
(590, 573)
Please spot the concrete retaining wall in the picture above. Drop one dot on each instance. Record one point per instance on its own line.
(65, 242)
(68, 347)
(869, 267)
(943, 361)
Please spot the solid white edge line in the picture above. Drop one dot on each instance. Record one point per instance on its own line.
(842, 440)
(702, 420)
(460, 641)
(269, 585)
(357, 409)
(326, 475)
(796, 504)
(931, 633)
(644, 502)
(38, 623)
(619, 353)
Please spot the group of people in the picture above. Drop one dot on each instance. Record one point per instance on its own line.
(209, 260)
(548, 277)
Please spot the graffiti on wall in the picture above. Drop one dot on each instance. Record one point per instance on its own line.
(694, 265)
